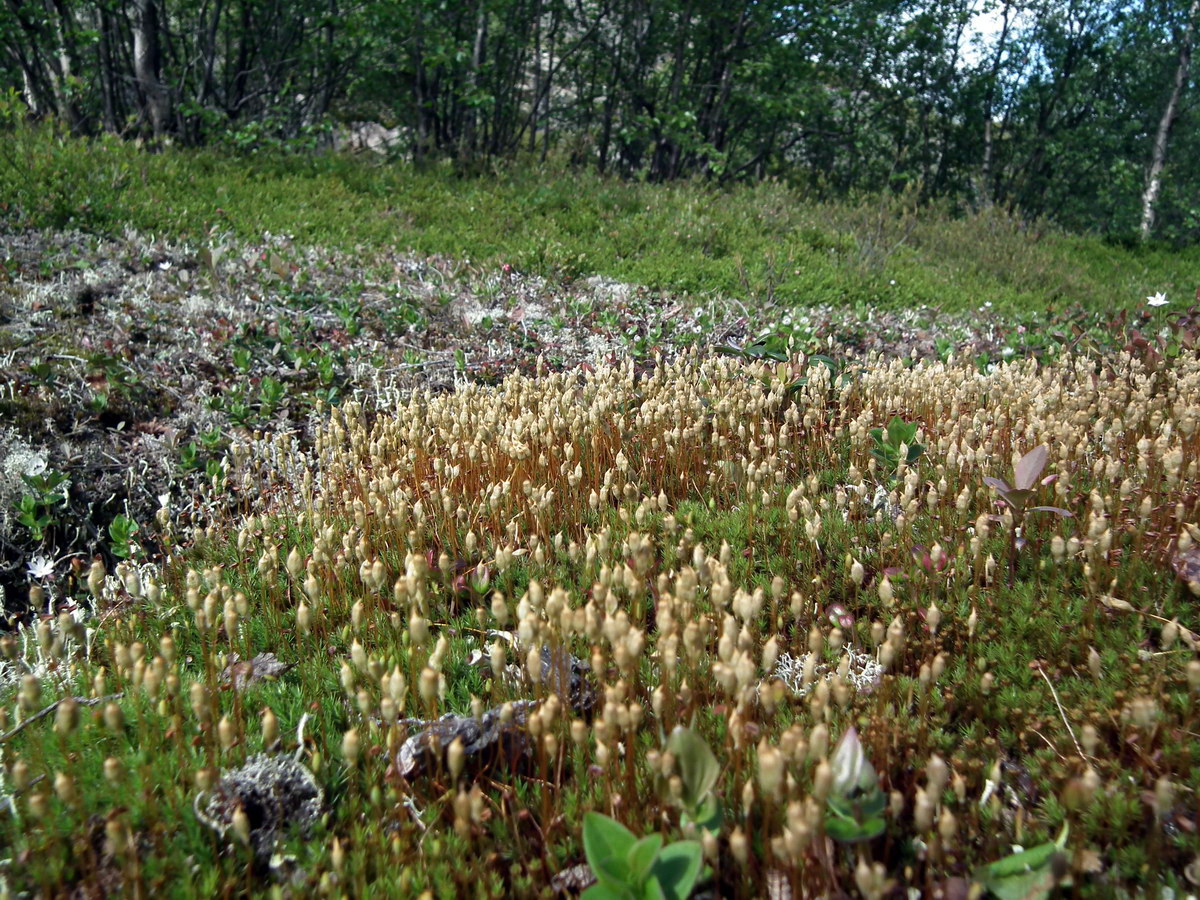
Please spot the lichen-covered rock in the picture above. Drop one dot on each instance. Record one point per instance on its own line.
(275, 793)
(242, 673)
(498, 737)
(566, 675)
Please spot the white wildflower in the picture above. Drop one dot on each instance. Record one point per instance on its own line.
(40, 567)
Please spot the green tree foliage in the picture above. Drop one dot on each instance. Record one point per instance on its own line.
(1050, 111)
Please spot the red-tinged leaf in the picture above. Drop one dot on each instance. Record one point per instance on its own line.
(998, 483)
(1057, 510)
(1030, 468)
(1049, 479)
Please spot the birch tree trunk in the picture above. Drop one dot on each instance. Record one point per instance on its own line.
(1158, 154)
(147, 64)
(987, 191)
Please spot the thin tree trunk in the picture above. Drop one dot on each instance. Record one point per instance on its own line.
(108, 75)
(535, 104)
(42, 89)
(66, 66)
(208, 86)
(986, 189)
(147, 64)
(471, 138)
(1158, 154)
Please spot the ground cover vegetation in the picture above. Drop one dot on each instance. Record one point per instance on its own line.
(690, 458)
(167, 350)
(767, 242)
(801, 635)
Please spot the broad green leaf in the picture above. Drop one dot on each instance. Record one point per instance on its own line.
(708, 814)
(677, 868)
(1026, 859)
(900, 432)
(1019, 863)
(873, 803)
(698, 768)
(641, 857)
(603, 891)
(840, 807)
(1035, 885)
(851, 831)
(606, 843)
(652, 890)
(914, 453)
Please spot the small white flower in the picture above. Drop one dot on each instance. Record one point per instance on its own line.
(1159, 299)
(40, 567)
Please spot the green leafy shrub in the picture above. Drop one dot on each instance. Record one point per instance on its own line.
(629, 868)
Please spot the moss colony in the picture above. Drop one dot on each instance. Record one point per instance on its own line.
(442, 633)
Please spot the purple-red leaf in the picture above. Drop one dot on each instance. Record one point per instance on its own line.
(1057, 510)
(1030, 467)
(998, 483)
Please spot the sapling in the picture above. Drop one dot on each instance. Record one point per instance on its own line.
(628, 867)
(896, 448)
(1032, 873)
(855, 801)
(36, 511)
(698, 769)
(1018, 497)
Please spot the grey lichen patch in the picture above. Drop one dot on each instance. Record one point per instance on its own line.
(18, 458)
(275, 793)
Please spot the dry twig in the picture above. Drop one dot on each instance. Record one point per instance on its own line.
(42, 713)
